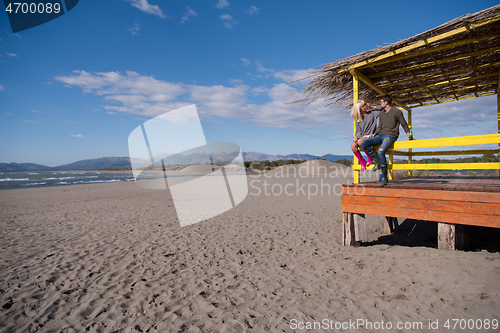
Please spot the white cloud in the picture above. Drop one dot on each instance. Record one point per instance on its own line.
(246, 62)
(292, 75)
(111, 112)
(135, 29)
(76, 135)
(253, 10)
(2, 87)
(222, 4)
(147, 96)
(188, 14)
(11, 54)
(29, 121)
(235, 81)
(229, 22)
(261, 68)
(147, 8)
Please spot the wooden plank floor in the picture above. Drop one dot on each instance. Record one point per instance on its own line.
(454, 200)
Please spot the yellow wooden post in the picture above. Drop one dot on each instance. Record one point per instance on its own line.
(410, 159)
(355, 97)
(391, 163)
(498, 114)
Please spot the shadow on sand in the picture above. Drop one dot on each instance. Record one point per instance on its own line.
(415, 233)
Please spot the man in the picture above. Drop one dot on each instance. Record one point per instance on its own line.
(387, 132)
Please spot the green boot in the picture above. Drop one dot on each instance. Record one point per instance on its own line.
(384, 180)
(375, 159)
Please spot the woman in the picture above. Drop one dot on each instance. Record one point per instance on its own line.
(365, 118)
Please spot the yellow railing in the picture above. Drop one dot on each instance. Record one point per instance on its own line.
(442, 142)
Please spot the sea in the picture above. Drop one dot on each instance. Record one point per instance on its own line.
(29, 179)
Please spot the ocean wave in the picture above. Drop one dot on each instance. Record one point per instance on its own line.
(14, 179)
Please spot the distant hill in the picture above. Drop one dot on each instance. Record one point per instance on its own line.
(23, 167)
(255, 156)
(124, 162)
(97, 163)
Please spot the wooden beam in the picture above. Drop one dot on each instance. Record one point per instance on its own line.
(448, 166)
(450, 100)
(446, 82)
(456, 212)
(405, 193)
(372, 85)
(452, 90)
(448, 142)
(433, 76)
(355, 97)
(400, 53)
(435, 63)
(447, 152)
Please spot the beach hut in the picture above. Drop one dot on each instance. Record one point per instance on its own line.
(455, 61)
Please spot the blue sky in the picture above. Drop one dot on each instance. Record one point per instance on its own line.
(76, 87)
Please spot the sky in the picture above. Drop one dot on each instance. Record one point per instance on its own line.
(76, 87)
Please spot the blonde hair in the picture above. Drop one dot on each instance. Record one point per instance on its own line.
(355, 112)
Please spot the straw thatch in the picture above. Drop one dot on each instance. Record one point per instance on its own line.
(465, 70)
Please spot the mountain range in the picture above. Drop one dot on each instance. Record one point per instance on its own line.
(124, 162)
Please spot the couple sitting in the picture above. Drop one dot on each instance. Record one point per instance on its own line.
(368, 134)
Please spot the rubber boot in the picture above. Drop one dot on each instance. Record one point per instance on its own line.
(361, 160)
(368, 160)
(374, 156)
(384, 180)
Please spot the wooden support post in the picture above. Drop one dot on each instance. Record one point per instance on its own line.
(360, 228)
(410, 157)
(391, 224)
(355, 97)
(391, 162)
(453, 237)
(498, 113)
(348, 230)
(462, 237)
(446, 236)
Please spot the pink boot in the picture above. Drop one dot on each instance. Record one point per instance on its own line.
(368, 160)
(361, 160)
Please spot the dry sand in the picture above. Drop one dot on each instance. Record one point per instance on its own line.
(113, 258)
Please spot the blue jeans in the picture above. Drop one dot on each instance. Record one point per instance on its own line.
(385, 142)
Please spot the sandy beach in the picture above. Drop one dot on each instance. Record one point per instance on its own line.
(113, 258)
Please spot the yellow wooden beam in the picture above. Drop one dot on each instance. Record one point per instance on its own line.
(381, 91)
(447, 142)
(433, 76)
(421, 43)
(448, 166)
(447, 152)
(452, 99)
(435, 63)
(447, 82)
(452, 90)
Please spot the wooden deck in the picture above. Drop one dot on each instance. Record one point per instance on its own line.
(453, 202)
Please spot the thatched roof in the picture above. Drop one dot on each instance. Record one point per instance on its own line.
(457, 60)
